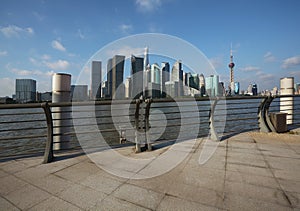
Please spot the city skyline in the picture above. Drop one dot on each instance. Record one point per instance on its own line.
(38, 38)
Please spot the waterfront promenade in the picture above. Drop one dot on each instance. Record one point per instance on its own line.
(248, 171)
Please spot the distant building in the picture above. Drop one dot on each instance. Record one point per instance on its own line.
(177, 76)
(254, 90)
(297, 88)
(153, 90)
(6, 100)
(44, 97)
(25, 90)
(96, 78)
(137, 77)
(236, 88)
(79, 92)
(165, 76)
(212, 85)
(249, 89)
(194, 81)
(115, 76)
(202, 85)
(171, 89)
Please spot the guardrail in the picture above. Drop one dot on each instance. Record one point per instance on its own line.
(27, 129)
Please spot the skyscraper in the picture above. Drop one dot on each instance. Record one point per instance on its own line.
(177, 76)
(117, 76)
(165, 76)
(25, 90)
(109, 77)
(96, 78)
(212, 85)
(202, 85)
(137, 76)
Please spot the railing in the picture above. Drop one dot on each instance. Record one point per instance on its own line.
(35, 129)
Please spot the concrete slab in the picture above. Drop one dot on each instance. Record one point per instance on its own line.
(82, 196)
(10, 183)
(55, 204)
(114, 204)
(6, 205)
(140, 196)
(175, 203)
(27, 196)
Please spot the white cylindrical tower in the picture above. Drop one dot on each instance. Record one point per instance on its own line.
(61, 92)
(287, 103)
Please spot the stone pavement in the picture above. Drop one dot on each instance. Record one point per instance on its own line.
(249, 171)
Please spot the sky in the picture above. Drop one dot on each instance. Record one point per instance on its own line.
(42, 37)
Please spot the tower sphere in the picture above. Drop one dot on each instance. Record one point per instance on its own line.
(231, 65)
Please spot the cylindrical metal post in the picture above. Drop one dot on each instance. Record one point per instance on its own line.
(287, 103)
(61, 92)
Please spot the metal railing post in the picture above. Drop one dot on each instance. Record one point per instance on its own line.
(213, 133)
(136, 118)
(264, 122)
(266, 111)
(147, 125)
(48, 155)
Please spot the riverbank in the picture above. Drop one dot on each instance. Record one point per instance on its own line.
(249, 171)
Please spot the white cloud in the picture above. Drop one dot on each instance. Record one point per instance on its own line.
(57, 45)
(125, 28)
(148, 5)
(58, 65)
(3, 53)
(46, 57)
(291, 62)
(249, 69)
(6, 86)
(126, 51)
(15, 31)
(80, 34)
(268, 57)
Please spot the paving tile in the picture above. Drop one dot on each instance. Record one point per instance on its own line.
(82, 196)
(241, 177)
(175, 203)
(270, 195)
(55, 204)
(249, 169)
(27, 196)
(294, 199)
(236, 203)
(115, 204)
(137, 195)
(290, 185)
(3, 174)
(101, 183)
(10, 183)
(53, 184)
(287, 175)
(202, 177)
(13, 166)
(78, 172)
(197, 194)
(6, 205)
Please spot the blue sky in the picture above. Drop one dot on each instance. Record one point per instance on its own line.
(40, 37)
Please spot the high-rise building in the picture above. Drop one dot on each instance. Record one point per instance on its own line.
(79, 92)
(165, 76)
(117, 75)
(194, 81)
(212, 85)
(109, 77)
(171, 88)
(137, 77)
(254, 89)
(155, 73)
(177, 76)
(202, 85)
(96, 78)
(25, 90)
(236, 88)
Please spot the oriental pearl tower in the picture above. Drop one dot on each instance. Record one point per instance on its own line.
(231, 66)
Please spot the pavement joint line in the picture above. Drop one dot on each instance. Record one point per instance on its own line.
(225, 174)
(10, 202)
(276, 179)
